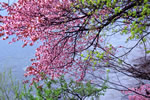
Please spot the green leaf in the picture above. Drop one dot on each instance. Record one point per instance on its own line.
(81, 55)
(144, 39)
(98, 1)
(148, 51)
(82, 1)
(120, 61)
(145, 1)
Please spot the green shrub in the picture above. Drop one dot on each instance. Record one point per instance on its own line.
(65, 90)
(57, 89)
(9, 87)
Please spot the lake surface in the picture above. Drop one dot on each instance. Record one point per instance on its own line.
(15, 57)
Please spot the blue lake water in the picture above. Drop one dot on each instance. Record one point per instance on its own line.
(15, 57)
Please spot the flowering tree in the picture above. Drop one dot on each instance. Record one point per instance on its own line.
(73, 34)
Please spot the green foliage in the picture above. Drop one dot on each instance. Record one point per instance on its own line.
(148, 51)
(65, 90)
(50, 90)
(9, 87)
